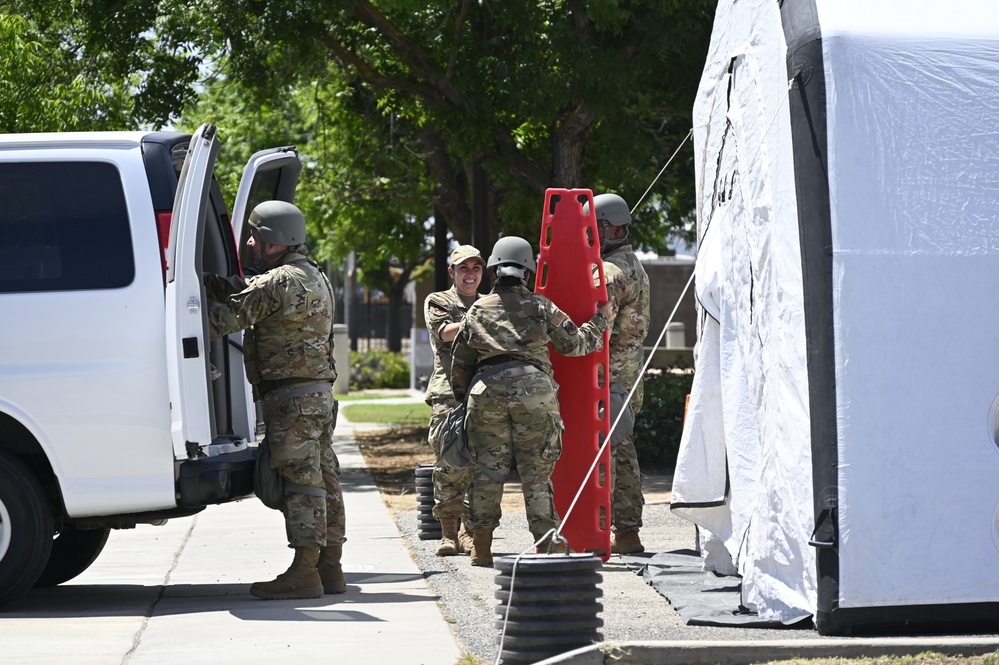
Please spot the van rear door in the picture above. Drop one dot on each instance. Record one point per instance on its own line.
(188, 368)
(270, 174)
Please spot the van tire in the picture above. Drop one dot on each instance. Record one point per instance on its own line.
(26, 528)
(73, 550)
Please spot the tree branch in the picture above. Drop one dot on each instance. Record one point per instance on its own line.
(410, 53)
(459, 21)
(524, 169)
(369, 74)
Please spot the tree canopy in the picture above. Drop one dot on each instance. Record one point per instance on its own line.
(538, 93)
(47, 85)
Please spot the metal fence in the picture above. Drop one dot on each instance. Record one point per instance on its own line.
(368, 326)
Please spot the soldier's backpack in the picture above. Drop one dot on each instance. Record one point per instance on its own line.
(455, 453)
(626, 424)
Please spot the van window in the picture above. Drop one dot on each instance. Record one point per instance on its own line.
(264, 188)
(63, 227)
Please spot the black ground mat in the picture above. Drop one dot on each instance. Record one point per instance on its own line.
(702, 598)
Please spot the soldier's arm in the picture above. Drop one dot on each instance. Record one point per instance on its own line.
(462, 364)
(450, 331)
(441, 324)
(616, 291)
(571, 340)
(218, 288)
(260, 299)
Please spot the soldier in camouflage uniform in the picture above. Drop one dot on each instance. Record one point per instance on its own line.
(444, 311)
(287, 312)
(513, 412)
(628, 290)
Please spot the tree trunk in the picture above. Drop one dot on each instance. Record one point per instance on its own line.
(441, 279)
(569, 147)
(394, 324)
(452, 192)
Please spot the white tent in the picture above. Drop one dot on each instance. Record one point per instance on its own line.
(841, 448)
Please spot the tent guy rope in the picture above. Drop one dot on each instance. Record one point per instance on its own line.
(555, 535)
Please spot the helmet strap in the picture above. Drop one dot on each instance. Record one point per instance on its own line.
(271, 259)
(610, 244)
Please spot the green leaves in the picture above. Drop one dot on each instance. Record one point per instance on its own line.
(46, 86)
(391, 102)
(659, 425)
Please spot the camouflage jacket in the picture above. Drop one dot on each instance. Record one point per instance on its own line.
(439, 309)
(628, 290)
(512, 320)
(287, 313)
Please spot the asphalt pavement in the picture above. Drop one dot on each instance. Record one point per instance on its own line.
(179, 593)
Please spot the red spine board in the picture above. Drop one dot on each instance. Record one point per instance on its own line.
(570, 252)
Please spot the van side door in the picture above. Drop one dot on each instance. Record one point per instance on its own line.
(188, 367)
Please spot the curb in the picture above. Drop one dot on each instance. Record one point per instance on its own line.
(745, 653)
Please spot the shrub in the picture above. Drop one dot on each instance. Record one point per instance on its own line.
(378, 369)
(660, 422)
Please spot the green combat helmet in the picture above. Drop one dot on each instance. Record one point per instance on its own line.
(279, 223)
(610, 209)
(512, 257)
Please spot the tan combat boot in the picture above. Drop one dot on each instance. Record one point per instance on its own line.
(301, 580)
(449, 537)
(464, 538)
(482, 542)
(330, 570)
(626, 542)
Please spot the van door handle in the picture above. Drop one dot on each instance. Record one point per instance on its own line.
(190, 347)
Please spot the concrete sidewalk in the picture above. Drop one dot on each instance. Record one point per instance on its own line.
(179, 593)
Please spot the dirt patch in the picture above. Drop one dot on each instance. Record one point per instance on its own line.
(393, 454)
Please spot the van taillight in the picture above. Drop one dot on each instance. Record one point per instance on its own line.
(163, 220)
(235, 244)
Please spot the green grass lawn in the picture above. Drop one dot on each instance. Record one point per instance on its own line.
(390, 414)
(364, 394)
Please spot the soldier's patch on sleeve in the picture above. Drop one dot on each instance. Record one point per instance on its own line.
(562, 320)
(478, 388)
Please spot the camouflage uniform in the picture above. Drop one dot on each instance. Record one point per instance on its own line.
(514, 415)
(628, 290)
(450, 486)
(287, 313)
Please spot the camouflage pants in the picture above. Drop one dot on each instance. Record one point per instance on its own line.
(450, 486)
(300, 433)
(514, 419)
(626, 487)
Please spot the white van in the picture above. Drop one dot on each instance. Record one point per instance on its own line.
(115, 407)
